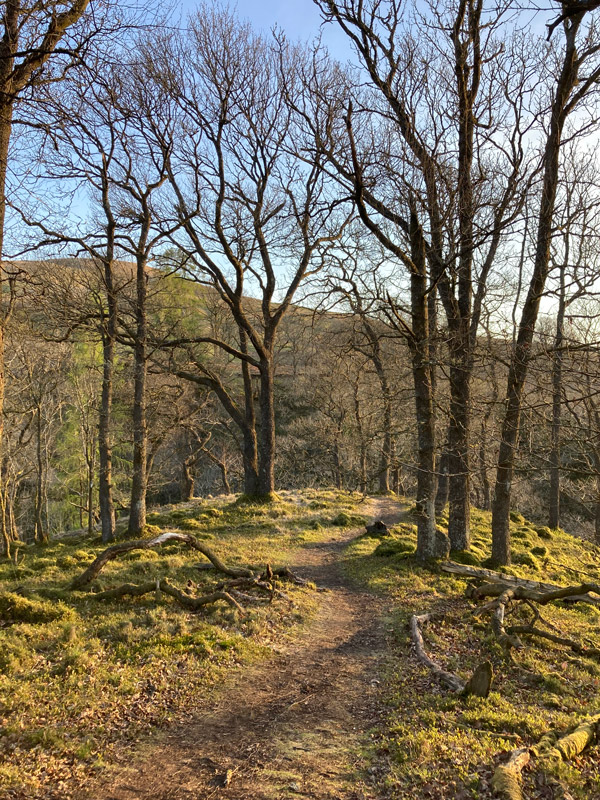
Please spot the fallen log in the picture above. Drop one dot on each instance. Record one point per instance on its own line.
(574, 743)
(506, 781)
(187, 601)
(480, 682)
(574, 593)
(497, 577)
(532, 590)
(119, 549)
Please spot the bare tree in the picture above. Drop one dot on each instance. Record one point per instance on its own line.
(29, 44)
(417, 150)
(254, 217)
(570, 90)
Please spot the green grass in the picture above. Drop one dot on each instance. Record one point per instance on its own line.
(450, 745)
(80, 677)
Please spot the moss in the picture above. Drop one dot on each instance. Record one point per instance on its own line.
(257, 499)
(209, 513)
(14, 607)
(516, 517)
(66, 562)
(540, 550)
(466, 557)
(544, 532)
(346, 520)
(393, 547)
(524, 534)
(525, 560)
(191, 525)
(150, 531)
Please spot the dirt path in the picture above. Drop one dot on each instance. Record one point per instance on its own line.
(291, 727)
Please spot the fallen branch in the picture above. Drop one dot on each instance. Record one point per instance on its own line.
(497, 577)
(573, 593)
(506, 640)
(481, 680)
(573, 743)
(530, 630)
(531, 590)
(506, 781)
(187, 601)
(119, 549)
(286, 572)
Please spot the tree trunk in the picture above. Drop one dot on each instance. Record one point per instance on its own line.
(361, 439)
(557, 365)
(424, 407)
(385, 464)
(250, 445)
(107, 509)
(337, 461)
(522, 351)
(441, 497)
(91, 465)
(6, 115)
(187, 479)
(139, 482)
(597, 515)
(266, 447)
(386, 450)
(41, 533)
(486, 503)
(459, 488)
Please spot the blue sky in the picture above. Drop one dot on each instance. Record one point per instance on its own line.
(300, 19)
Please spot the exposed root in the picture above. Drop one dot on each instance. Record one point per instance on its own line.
(480, 682)
(187, 601)
(119, 549)
(507, 589)
(576, 647)
(241, 578)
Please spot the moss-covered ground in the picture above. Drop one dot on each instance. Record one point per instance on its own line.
(80, 677)
(441, 746)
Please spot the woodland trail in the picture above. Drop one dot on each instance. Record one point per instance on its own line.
(290, 727)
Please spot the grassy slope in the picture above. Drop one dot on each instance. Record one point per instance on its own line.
(440, 746)
(81, 677)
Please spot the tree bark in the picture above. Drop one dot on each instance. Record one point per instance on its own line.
(105, 496)
(557, 365)
(486, 503)
(187, 479)
(522, 352)
(459, 481)
(250, 444)
(139, 482)
(41, 532)
(266, 446)
(419, 347)
(597, 511)
(441, 497)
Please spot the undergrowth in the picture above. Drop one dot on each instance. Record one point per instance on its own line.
(442, 746)
(80, 678)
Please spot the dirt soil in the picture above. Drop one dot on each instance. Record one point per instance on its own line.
(294, 726)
